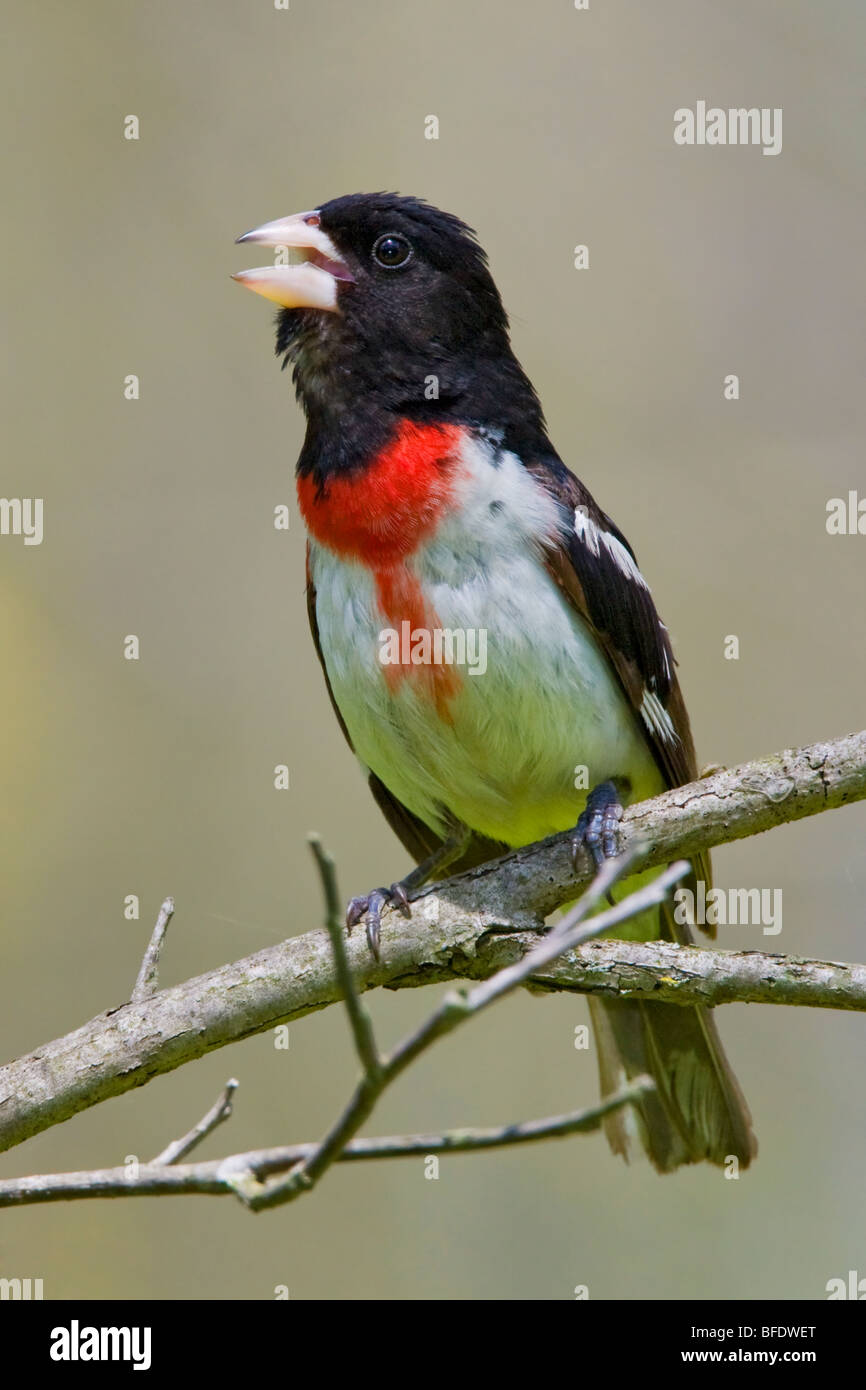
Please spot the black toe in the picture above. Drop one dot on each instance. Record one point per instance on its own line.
(370, 905)
(597, 829)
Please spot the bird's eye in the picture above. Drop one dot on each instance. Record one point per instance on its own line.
(392, 251)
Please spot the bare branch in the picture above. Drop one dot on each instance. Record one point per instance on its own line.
(217, 1177)
(148, 976)
(456, 1008)
(671, 974)
(220, 1111)
(571, 933)
(362, 1028)
(468, 927)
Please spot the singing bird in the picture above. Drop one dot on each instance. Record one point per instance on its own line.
(437, 508)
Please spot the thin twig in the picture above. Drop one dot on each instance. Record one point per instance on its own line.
(609, 873)
(217, 1177)
(148, 976)
(456, 1008)
(362, 1028)
(459, 1005)
(220, 1111)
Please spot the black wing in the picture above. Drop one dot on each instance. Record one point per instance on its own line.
(596, 570)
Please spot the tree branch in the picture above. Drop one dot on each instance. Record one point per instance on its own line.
(245, 1175)
(469, 927)
(220, 1111)
(359, 1019)
(217, 1177)
(456, 1008)
(147, 982)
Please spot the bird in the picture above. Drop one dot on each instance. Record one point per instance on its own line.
(491, 649)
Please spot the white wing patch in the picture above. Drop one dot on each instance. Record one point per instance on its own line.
(592, 536)
(667, 661)
(656, 717)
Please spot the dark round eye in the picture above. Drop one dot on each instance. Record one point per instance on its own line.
(392, 250)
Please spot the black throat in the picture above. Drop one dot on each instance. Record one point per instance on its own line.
(355, 394)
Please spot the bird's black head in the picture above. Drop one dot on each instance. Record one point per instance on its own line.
(392, 312)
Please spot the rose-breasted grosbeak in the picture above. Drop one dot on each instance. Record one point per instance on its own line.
(436, 504)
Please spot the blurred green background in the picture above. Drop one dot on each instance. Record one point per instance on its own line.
(150, 777)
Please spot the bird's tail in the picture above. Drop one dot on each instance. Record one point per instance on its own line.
(697, 1112)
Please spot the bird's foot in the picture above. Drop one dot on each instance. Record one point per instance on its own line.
(371, 905)
(597, 829)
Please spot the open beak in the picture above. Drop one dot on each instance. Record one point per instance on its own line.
(309, 284)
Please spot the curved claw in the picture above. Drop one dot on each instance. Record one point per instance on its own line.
(355, 911)
(400, 898)
(370, 905)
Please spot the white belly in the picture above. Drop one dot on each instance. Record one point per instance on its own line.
(506, 760)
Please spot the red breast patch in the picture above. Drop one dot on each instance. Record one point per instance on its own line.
(402, 602)
(380, 514)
